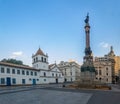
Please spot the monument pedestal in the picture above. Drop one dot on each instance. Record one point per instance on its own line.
(87, 77)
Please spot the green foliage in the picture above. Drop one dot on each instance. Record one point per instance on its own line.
(13, 61)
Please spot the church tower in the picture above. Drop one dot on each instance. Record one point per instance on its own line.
(87, 69)
(40, 60)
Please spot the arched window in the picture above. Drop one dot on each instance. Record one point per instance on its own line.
(42, 59)
(36, 58)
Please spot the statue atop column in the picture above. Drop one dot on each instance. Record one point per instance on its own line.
(87, 18)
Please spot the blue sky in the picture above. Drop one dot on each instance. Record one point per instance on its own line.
(57, 26)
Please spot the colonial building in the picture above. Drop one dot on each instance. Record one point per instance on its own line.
(105, 67)
(70, 70)
(40, 73)
(12, 74)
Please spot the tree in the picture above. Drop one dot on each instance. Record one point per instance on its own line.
(14, 61)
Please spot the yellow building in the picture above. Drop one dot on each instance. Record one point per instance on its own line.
(117, 65)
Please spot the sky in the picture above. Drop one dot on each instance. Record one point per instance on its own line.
(57, 27)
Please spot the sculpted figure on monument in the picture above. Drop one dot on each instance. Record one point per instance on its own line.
(87, 18)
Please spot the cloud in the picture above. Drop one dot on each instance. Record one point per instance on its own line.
(104, 45)
(16, 54)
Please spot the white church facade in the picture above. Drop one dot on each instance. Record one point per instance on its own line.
(40, 73)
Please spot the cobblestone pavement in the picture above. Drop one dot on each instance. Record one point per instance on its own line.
(40, 96)
(11, 89)
(55, 94)
(98, 96)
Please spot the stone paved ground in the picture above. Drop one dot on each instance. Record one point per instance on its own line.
(39, 96)
(55, 94)
(98, 96)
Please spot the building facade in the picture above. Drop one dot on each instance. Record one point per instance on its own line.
(40, 73)
(105, 67)
(70, 70)
(117, 66)
(11, 74)
(103, 70)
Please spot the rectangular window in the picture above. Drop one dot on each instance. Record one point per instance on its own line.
(23, 81)
(31, 73)
(27, 72)
(65, 70)
(23, 72)
(35, 73)
(53, 74)
(2, 80)
(106, 69)
(2, 70)
(56, 75)
(14, 81)
(96, 72)
(8, 70)
(44, 74)
(100, 72)
(18, 71)
(13, 71)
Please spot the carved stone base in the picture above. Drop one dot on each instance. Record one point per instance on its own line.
(87, 77)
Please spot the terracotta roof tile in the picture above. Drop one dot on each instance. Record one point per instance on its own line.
(39, 52)
(18, 66)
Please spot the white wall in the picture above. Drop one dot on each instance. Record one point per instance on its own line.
(39, 64)
(28, 78)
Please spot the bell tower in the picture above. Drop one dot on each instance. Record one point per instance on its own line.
(40, 60)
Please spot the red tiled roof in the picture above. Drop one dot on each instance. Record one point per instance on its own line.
(17, 66)
(51, 65)
(39, 52)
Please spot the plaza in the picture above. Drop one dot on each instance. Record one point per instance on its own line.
(53, 94)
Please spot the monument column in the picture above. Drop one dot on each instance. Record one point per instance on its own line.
(87, 69)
